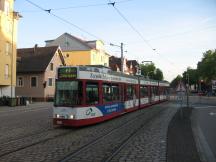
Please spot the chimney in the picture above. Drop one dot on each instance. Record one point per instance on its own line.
(35, 48)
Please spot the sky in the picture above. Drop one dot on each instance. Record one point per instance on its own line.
(173, 34)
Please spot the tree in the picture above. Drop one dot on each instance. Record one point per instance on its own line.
(158, 75)
(149, 70)
(175, 81)
(193, 76)
(206, 67)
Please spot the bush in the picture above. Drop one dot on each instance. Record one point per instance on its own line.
(4, 101)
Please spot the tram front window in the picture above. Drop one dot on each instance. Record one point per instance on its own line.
(68, 93)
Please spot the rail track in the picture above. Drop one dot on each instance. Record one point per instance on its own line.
(101, 138)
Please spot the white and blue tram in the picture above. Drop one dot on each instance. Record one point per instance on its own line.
(87, 95)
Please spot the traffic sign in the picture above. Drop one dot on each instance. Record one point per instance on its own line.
(180, 87)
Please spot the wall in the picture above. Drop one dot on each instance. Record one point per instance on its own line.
(77, 58)
(27, 90)
(50, 90)
(8, 32)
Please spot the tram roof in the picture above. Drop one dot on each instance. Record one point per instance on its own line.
(106, 70)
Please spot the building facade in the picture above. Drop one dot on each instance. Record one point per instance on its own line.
(80, 52)
(36, 72)
(130, 67)
(8, 41)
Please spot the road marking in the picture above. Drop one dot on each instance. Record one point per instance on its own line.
(212, 113)
(203, 107)
(203, 147)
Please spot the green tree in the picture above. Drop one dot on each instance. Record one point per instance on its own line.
(193, 76)
(175, 81)
(158, 74)
(207, 66)
(149, 70)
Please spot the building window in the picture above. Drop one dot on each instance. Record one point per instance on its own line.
(7, 7)
(50, 82)
(51, 67)
(20, 82)
(7, 48)
(6, 71)
(33, 81)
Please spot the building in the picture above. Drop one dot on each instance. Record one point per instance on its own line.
(8, 41)
(80, 52)
(36, 71)
(129, 66)
(132, 67)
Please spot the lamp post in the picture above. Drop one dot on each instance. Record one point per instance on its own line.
(139, 68)
(122, 59)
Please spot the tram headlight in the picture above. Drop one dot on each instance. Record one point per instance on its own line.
(57, 115)
(71, 116)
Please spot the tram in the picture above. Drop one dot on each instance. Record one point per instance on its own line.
(87, 95)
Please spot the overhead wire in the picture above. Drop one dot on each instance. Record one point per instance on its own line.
(49, 11)
(139, 34)
(130, 24)
(80, 6)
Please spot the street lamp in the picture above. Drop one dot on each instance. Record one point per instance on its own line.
(146, 61)
(122, 59)
(138, 66)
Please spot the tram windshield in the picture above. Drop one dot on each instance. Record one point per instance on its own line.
(68, 93)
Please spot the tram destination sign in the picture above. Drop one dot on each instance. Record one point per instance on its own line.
(67, 73)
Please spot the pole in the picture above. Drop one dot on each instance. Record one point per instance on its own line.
(122, 58)
(187, 90)
(12, 55)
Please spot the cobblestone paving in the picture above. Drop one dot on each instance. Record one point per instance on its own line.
(54, 149)
(18, 122)
(150, 144)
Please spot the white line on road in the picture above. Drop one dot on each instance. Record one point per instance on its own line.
(212, 113)
(204, 150)
(203, 107)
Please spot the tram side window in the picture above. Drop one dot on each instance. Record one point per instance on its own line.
(115, 93)
(130, 92)
(153, 91)
(107, 92)
(144, 91)
(162, 91)
(156, 91)
(92, 93)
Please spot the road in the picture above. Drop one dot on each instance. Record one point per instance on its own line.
(204, 126)
(27, 135)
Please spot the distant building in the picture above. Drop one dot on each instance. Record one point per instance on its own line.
(81, 52)
(132, 67)
(129, 66)
(8, 41)
(36, 71)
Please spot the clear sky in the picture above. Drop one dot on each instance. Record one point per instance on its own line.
(179, 30)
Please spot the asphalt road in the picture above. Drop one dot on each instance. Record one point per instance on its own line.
(204, 126)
